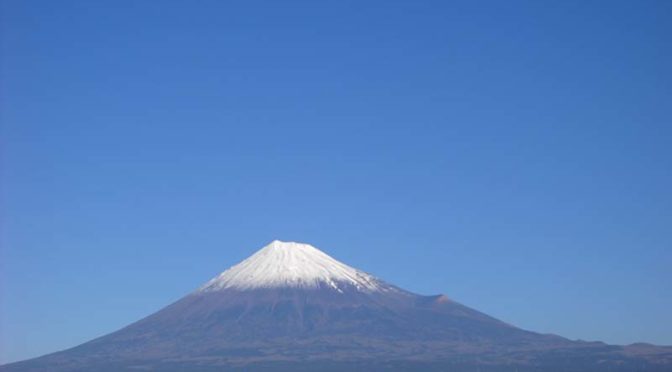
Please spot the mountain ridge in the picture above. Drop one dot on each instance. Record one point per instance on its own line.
(291, 306)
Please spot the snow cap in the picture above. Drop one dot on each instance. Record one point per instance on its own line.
(291, 264)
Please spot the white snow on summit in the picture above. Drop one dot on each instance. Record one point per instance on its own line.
(289, 264)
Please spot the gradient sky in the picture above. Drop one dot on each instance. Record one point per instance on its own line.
(514, 155)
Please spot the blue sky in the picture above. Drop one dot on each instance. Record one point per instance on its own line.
(513, 155)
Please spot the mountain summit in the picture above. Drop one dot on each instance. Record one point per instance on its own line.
(292, 265)
(292, 307)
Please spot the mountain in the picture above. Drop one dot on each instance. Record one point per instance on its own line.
(291, 307)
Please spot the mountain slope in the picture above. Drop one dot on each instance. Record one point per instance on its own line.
(291, 306)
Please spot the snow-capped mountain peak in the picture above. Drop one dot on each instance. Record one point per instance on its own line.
(291, 264)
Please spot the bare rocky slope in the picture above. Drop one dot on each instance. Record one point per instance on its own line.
(291, 307)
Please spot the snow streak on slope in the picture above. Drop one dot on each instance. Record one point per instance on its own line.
(289, 264)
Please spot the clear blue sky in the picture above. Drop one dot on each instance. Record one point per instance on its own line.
(515, 155)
